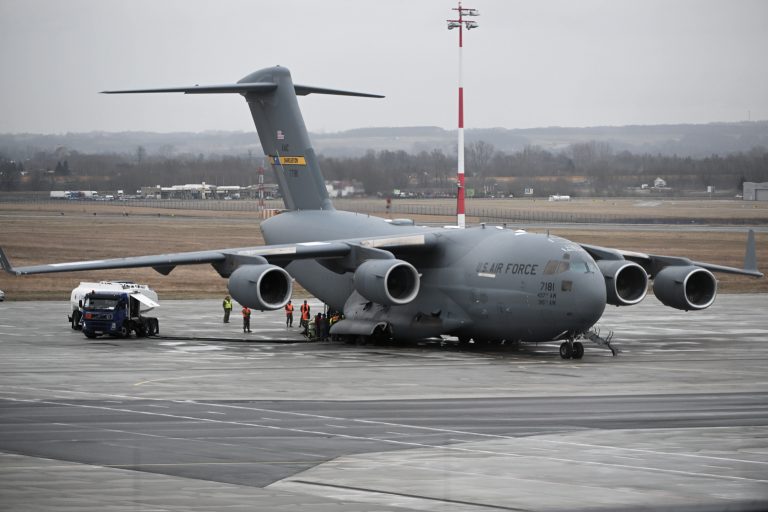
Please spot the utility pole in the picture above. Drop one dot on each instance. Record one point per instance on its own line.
(461, 23)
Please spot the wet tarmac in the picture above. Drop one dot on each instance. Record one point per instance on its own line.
(207, 417)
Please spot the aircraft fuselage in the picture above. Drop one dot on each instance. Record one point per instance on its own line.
(485, 283)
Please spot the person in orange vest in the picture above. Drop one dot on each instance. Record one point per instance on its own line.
(246, 319)
(289, 314)
(304, 317)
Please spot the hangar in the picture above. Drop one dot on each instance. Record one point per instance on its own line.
(755, 191)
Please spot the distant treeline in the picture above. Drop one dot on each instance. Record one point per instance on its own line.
(585, 168)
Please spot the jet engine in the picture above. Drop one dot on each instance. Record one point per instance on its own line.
(387, 282)
(685, 288)
(260, 286)
(626, 283)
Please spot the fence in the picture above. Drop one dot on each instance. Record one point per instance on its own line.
(513, 216)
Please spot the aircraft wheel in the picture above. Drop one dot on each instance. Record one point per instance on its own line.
(380, 336)
(464, 341)
(578, 350)
(565, 350)
(76, 320)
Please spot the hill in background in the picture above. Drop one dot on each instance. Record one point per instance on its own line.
(686, 140)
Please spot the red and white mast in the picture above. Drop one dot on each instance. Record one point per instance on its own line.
(461, 23)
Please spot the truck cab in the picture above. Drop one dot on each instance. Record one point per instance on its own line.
(117, 314)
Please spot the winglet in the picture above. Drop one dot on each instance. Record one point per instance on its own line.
(750, 257)
(5, 264)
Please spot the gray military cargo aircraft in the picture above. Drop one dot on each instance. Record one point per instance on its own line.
(399, 281)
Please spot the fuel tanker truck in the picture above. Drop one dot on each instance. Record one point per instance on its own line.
(78, 295)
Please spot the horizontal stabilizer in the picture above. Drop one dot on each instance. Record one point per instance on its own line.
(303, 90)
(244, 88)
(259, 87)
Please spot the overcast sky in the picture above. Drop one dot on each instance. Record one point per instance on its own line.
(531, 63)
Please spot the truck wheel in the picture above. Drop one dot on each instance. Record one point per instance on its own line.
(124, 331)
(76, 320)
(89, 334)
(141, 330)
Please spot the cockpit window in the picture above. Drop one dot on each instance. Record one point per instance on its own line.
(583, 266)
(556, 267)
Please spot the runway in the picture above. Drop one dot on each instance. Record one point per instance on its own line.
(210, 418)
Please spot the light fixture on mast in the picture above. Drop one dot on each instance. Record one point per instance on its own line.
(461, 23)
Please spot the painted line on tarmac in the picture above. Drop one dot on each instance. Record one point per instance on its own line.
(408, 444)
(408, 495)
(479, 434)
(398, 425)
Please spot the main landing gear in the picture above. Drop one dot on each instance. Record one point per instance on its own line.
(571, 349)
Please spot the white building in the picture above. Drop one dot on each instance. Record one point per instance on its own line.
(755, 191)
(344, 188)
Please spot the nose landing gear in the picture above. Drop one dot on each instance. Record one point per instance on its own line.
(571, 349)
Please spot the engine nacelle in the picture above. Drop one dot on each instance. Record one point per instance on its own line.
(387, 282)
(685, 288)
(260, 286)
(626, 283)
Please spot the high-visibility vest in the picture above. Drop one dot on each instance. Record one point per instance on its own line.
(289, 309)
(227, 304)
(246, 313)
(305, 311)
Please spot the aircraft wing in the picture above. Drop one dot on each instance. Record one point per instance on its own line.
(653, 263)
(226, 260)
(164, 263)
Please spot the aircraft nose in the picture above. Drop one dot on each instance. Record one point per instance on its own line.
(591, 303)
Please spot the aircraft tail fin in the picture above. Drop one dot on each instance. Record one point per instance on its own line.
(271, 96)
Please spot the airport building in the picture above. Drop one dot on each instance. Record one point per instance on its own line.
(208, 191)
(755, 191)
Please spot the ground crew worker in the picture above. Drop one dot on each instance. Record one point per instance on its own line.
(304, 317)
(318, 324)
(289, 314)
(312, 330)
(322, 327)
(227, 305)
(335, 317)
(246, 319)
